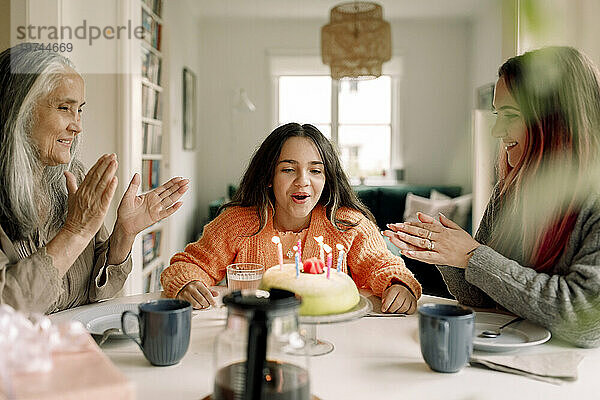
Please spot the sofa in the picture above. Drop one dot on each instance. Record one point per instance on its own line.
(387, 203)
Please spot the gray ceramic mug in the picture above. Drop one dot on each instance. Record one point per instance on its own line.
(164, 330)
(446, 334)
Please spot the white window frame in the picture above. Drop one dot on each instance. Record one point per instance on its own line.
(308, 63)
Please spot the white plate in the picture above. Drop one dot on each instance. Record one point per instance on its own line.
(103, 316)
(515, 336)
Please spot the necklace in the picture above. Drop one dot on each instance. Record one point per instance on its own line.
(289, 240)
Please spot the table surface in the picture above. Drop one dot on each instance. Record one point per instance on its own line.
(374, 358)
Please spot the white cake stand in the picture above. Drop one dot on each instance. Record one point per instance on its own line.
(309, 323)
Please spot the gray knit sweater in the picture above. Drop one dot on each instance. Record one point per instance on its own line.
(566, 300)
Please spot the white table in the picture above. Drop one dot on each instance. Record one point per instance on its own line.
(374, 358)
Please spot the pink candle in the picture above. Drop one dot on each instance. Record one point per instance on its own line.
(300, 250)
(277, 241)
(329, 259)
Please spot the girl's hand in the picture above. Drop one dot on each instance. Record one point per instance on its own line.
(440, 242)
(135, 213)
(87, 204)
(397, 299)
(198, 295)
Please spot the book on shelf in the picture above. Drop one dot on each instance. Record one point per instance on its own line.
(152, 138)
(151, 103)
(155, 6)
(151, 66)
(150, 174)
(151, 246)
(152, 30)
(152, 280)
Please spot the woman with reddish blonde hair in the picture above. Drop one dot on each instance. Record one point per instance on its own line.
(537, 250)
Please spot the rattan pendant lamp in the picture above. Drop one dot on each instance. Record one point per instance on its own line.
(357, 41)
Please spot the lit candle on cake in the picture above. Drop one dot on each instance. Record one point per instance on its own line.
(340, 248)
(319, 240)
(329, 258)
(277, 241)
(297, 259)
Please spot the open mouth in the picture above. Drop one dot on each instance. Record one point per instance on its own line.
(510, 145)
(300, 197)
(65, 141)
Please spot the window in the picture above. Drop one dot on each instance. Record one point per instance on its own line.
(358, 120)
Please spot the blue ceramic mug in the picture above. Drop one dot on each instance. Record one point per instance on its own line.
(164, 330)
(446, 334)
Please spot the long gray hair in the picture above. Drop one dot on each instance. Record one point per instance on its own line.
(27, 76)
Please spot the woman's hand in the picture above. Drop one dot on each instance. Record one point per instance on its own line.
(135, 213)
(397, 299)
(88, 203)
(440, 242)
(86, 208)
(198, 295)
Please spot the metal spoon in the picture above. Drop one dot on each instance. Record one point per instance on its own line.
(107, 333)
(496, 333)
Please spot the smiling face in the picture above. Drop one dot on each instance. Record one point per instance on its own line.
(298, 182)
(57, 120)
(510, 125)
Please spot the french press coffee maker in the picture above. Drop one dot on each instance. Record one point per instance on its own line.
(260, 354)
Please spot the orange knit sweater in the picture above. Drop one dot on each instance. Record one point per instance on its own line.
(227, 239)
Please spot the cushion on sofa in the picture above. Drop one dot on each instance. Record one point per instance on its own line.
(387, 203)
(462, 213)
(427, 206)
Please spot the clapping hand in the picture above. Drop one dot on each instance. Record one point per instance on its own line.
(137, 212)
(433, 241)
(88, 203)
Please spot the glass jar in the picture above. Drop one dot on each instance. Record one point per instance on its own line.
(260, 354)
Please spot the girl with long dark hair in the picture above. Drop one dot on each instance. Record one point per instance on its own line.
(295, 188)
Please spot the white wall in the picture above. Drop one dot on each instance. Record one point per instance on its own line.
(486, 56)
(100, 128)
(182, 48)
(486, 46)
(435, 94)
(562, 22)
(100, 116)
(434, 100)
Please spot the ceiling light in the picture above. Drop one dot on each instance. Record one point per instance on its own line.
(357, 41)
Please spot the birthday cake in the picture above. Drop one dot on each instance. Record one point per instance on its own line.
(320, 295)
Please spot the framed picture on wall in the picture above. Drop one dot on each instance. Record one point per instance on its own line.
(189, 109)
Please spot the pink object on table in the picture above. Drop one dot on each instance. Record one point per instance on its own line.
(87, 374)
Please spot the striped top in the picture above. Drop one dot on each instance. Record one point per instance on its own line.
(232, 237)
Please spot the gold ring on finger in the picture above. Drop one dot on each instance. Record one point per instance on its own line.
(431, 246)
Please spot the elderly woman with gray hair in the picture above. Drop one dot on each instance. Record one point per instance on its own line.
(55, 251)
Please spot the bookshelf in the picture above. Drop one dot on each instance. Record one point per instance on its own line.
(142, 89)
(153, 171)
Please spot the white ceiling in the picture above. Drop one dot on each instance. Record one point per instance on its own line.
(319, 9)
